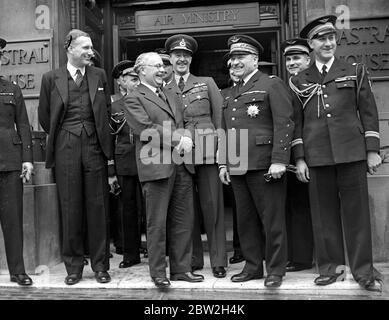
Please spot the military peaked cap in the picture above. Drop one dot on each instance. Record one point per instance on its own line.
(244, 44)
(181, 42)
(319, 27)
(295, 46)
(122, 65)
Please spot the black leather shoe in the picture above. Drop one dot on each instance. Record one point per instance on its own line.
(161, 282)
(244, 276)
(21, 279)
(219, 272)
(236, 258)
(73, 278)
(128, 263)
(326, 280)
(295, 266)
(187, 276)
(102, 277)
(195, 268)
(273, 281)
(85, 262)
(371, 285)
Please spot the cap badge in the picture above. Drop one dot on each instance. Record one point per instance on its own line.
(325, 20)
(291, 41)
(234, 40)
(183, 43)
(252, 110)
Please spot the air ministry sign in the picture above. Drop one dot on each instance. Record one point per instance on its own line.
(233, 15)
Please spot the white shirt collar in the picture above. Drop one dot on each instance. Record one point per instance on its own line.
(154, 89)
(185, 76)
(248, 77)
(320, 65)
(72, 70)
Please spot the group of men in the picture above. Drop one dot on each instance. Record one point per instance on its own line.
(185, 137)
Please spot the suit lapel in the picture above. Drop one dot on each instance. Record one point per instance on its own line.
(151, 96)
(238, 91)
(61, 81)
(93, 80)
(336, 71)
(312, 74)
(190, 83)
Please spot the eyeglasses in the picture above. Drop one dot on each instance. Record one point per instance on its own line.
(158, 66)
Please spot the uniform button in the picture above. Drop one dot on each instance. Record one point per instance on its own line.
(323, 85)
(253, 99)
(325, 96)
(281, 141)
(327, 105)
(286, 135)
(288, 125)
(285, 149)
(232, 118)
(234, 109)
(235, 100)
(185, 105)
(183, 96)
(233, 129)
(329, 115)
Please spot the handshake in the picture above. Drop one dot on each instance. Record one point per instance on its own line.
(185, 145)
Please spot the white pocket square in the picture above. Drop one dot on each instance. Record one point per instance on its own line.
(100, 89)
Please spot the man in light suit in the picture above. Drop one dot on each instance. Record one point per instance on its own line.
(167, 184)
(202, 106)
(74, 109)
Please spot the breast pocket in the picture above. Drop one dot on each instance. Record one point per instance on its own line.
(198, 104)
(345, 84)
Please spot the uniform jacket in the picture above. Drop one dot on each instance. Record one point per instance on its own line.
(53, 101)
(202, 104)
(124, 141)
(263, 106)
(148, 115)
(15, 134)
(343, 127)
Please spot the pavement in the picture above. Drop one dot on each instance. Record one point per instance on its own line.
(134, 283)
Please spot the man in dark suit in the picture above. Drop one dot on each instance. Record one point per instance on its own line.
(259, 114)
(167, 185)
(15, 168)
(125, 168)
(336, 141)
(202, 104)
(74, 109)
(298, 214)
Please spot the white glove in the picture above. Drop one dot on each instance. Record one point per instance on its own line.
(185, 144)
(27, 169)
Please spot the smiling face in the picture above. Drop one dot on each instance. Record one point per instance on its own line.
(181, 60)
(324, 47)
(297, 62)
(80, 52)
(152, 71)
(243, 64)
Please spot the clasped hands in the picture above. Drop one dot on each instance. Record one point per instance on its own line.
(27, 171)
(185, 145)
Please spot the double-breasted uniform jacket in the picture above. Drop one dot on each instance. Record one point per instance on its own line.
(202, 104)
(124, 141)
(335, 125)
(154, 122)
(263, 106)
(15, 134)
(53, 102)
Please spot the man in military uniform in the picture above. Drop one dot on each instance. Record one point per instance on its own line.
(298, 215)
(15, 168)
(202, 104)
(168, 77)
(336, 141)
(75, 109)
(259, 114)
(125, 168)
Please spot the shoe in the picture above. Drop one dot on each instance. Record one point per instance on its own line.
(326, 280)
(22, 279)
(161, 282)
(128, 263)
(102, 277)
(244, 276)
(296, 266)
(187, 276)
(85, 262)
(196, 268)
(236, 258)
(371, 285)
(73, 278)
(273, 281)
(219, 272)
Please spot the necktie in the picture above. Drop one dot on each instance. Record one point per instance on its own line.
(323, 72)
(78, 78)
(161, 94)
(181, 84)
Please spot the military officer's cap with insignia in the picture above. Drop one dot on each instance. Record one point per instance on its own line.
(163, 54)
(120, 67)
(181, 42)
(295, 46)
(2, 43)
(242, 44)
(319, 27)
